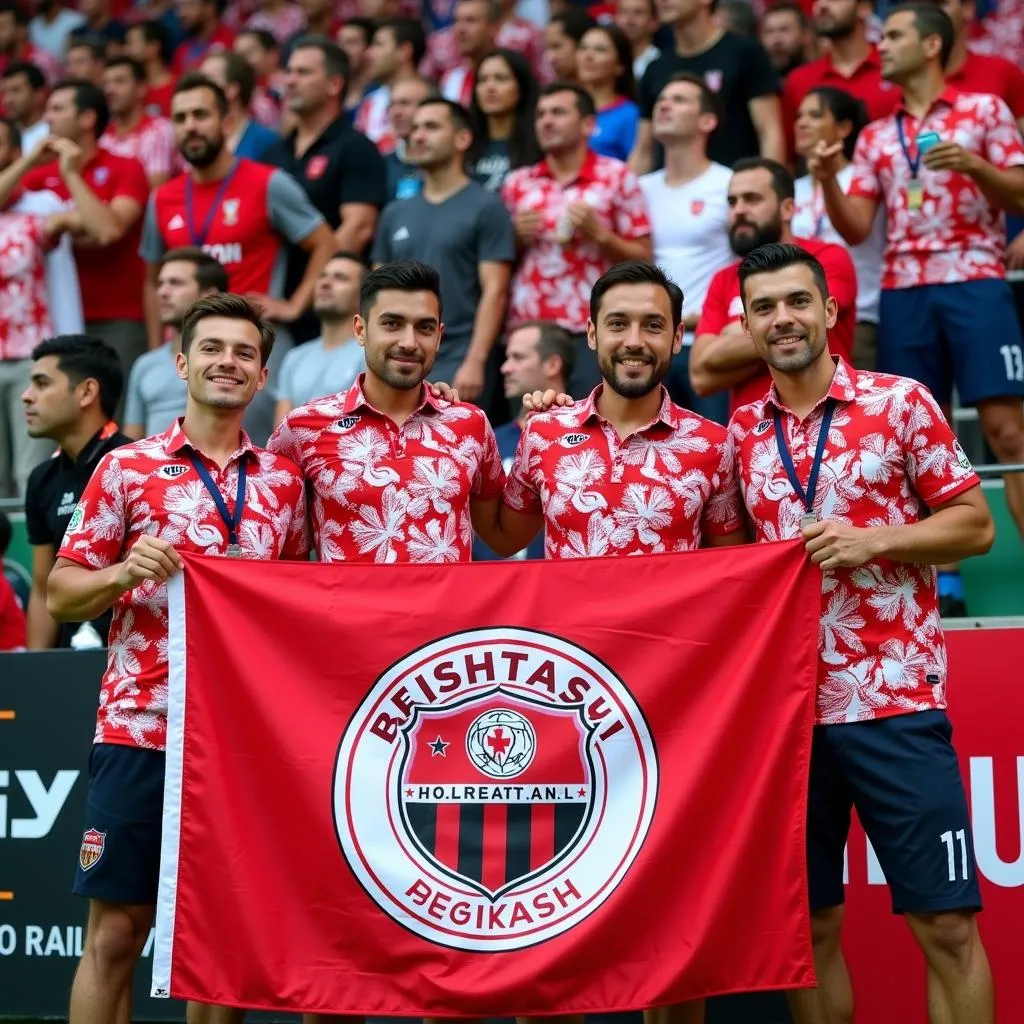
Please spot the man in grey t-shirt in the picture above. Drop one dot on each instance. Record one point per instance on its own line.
(156, 394)
(462, 231)
(328, 364)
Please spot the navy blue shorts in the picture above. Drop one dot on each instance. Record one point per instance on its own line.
(966, 333)
(902, 776)
(119, 860)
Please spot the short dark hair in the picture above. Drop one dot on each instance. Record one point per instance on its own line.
(13, 131)
(553, 340)
(584, 101)
(336, 62)
(637, 272)
(365, 25)
(122, 60)
(154, 32)
(35, 77)
(930, 20)
(400, 276)
(196, 80)
(84, 357)
(709, 101)
(407, 30)
(19, 11)
(575, 22)
(782, 180)
(263, 36)
(348, 254)
(210, 272)
(96, 45)
(775, 256)
(238, 71)
(458, 113)
(87, 96)
(843, 107)
(787, 7)
(234, 307)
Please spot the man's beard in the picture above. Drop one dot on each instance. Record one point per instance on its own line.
(754, 236)
(632, 388)
(207, 155)
(840, 30)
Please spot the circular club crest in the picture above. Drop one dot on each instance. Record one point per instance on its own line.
(494, 787)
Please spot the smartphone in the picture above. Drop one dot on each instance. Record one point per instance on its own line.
(926, 140)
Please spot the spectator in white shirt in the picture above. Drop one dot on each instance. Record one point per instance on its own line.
(24, 94)
(831, 115)
(688, 206)
(329, 364)
(53, 24)
(638, 20)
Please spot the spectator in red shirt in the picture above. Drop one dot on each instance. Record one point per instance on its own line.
(576, 214)
(320, 19)
(785, 34)
(14, 45)
(262, 53)
(851, 63)
(760, 210)
(204, 31)
(476, 28)
(132, 132)
(149, 43)
(86, 59)
(105, 195)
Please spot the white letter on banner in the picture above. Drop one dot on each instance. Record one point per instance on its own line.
(1005, 873)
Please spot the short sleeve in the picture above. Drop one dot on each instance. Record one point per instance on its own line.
(289, 209)
(521, 494)
(489, 481)
(936, 465)
(723, 511)
(284, 442)
(759, 77)
(130, 182)
(647, 93)
(364, 179)
(152, 245)
(1014, 94)
(714, 315)
(864, 182)
(381, 251)
(134, 405)
(284, 386)
(1004, 147)
(631, 220)
(496, 238)
(96, 533)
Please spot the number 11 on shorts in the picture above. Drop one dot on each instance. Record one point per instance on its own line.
(961, 837)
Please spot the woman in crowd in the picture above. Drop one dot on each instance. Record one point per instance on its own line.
(831, 115)
(604, 65)
(502, 114)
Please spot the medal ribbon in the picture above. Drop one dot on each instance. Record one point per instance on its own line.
(807, 497)
(232, 522)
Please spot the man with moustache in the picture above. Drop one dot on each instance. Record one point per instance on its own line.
(760, 210)
(241, 212)
(864, 467)
(199, 487)
(395, 473)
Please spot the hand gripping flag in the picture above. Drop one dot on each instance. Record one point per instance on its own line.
(488, 789)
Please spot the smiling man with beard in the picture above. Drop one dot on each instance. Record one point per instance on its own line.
(760, 210)
(626, 471)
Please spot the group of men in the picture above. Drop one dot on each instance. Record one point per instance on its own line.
(396, 470)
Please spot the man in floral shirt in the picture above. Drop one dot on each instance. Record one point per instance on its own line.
(865, 468)
(198, 487)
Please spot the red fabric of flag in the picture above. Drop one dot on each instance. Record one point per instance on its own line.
(488, 789)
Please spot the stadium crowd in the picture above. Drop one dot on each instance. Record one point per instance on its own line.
(154, 154)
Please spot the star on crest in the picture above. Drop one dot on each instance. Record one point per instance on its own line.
(438, 747)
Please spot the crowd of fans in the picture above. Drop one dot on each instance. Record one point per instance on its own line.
(153, 154)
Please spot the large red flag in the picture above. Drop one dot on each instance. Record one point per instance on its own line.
(488, 789)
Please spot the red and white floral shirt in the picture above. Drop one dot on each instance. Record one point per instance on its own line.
(151, 487)
(956, 234)
(384, 493)
(554, 281)
(665, 487)
(24, 304)
(151, 142)
(889, 458)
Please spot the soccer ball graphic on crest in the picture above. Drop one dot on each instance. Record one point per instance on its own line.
(501, 743)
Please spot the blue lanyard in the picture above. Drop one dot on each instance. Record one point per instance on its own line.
(230, 521)
(913, 162)
(199, 239)
(807, 497)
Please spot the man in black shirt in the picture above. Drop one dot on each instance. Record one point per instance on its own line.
(74, 388)
(339, 168)
(737, 68)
